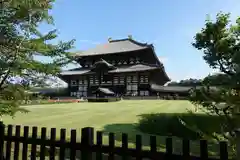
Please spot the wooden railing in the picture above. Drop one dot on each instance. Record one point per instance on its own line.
(43, 147)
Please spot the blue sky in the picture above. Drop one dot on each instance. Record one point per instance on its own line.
(169, 24)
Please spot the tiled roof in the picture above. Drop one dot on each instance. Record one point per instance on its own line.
(105, 90)
(114, 46)
(133, 68)
(77, 71)
(138, 67)
(103, 62)
(160, 88)
(170, 88)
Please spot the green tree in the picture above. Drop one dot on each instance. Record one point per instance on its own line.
(20, 42)
(220, 42)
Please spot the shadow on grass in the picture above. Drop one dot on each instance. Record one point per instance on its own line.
(163, 125)
(172, 124)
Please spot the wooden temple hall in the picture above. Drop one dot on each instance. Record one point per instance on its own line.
(122, 67)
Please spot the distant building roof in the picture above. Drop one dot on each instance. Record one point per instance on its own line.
(160, 88)
(114, 46)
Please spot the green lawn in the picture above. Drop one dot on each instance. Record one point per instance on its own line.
(97, 115)
(114, 117)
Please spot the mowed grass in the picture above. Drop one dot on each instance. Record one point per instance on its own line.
(118, 117)
(97, 115)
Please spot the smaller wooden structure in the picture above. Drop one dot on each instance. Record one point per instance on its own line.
(103, 95)
(172, 92)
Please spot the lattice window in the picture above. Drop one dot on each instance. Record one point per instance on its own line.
(132, 89)
(82, 90)
(115, 80)
(129, 79)
(134, 80)
(73, 82)
(96, 81)
(102, 80)
(141, 79)
(144, 93)
(84, 94)
(144, 79)
(85, 81)
(121, 79)
(91, 79)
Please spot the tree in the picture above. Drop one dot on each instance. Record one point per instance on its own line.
(20, 42)
(187, 82)
(220, 42)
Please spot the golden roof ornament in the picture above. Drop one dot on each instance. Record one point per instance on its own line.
(109, 39)
(130, 37)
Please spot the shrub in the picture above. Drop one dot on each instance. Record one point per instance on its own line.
(167, 124)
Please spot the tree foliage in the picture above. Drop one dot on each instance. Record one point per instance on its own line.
(20, 43)
(220, 42)
(187, 82)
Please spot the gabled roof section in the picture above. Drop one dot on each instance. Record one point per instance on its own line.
(114, 46)
(105, 90)
(103, 62)
(134, 68)
(74, 71)
(123, 69)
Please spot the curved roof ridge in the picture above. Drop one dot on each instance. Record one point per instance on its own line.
(132, 40)
(114, 47)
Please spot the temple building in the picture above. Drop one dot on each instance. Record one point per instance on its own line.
(124, 67)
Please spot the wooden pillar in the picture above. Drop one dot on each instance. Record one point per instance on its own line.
(2, 131)
(238, 144)
(69, 86)
(125, 83)
(99, 78)
(87, 138)
(88, 85)
(113, 87)
(138, 83)
(112, 80)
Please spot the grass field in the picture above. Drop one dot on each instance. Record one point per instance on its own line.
(114, 117)
(97, 115)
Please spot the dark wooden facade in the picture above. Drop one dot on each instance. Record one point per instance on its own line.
(125, 67)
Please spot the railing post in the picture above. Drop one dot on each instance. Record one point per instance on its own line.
(238, 143)
(2, 132)
(87, 141)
